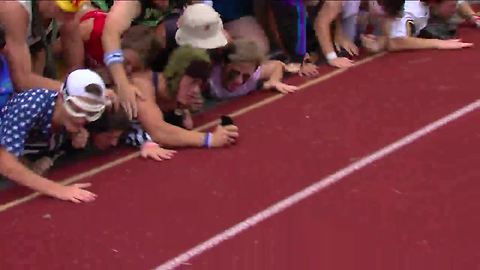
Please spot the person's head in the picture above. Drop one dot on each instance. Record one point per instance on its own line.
(83, 96)
(442, 8)
(241, 58)
(140, 46)
(201, 27)
(62, 10)
(106, 131)
(392, 8)
(187, 70)
(162, 4)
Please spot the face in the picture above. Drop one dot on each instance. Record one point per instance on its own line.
(75, 117)
(132, 62)
(163, 4)
(105, 140)
(189, 90)
(236, 74)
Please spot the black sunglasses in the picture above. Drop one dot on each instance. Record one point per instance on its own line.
(233, 74)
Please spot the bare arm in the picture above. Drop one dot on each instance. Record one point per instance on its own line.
(151, 118)
(72, 44)
(118, 21)
(325, 17)
(465, 10)
(411, 43)
(15, 21)
(14, 170)
(272, 70)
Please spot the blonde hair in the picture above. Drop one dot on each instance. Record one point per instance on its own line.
(244, 50)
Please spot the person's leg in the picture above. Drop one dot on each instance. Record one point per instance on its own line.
(349, 25)
(290, 19)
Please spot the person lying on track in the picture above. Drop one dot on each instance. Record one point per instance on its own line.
(242, 70)
(405, 31)
(177, 89)
(37, 115)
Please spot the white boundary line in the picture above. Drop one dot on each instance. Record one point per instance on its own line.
(314, 188)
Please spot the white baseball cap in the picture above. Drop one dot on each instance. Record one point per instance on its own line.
(77, 82)
(201, 27)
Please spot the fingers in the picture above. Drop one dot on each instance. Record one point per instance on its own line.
(134, 109)
(82, 185)
(127, 110)
(231, 128)
(155, 157)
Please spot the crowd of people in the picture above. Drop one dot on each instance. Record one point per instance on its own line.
(79, 74)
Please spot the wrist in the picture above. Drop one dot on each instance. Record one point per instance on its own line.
(208, 140)
(148, 145)
(113, 57)
(331, 56)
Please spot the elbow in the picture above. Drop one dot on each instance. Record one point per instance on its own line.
(20, 80)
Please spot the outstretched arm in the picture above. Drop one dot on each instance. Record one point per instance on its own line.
(14, 170)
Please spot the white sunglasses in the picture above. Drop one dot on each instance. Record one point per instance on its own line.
(89, 111)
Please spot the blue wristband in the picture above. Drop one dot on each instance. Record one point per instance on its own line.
(113, 57)
(207, 142)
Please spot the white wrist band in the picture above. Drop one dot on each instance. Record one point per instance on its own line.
(331, 56)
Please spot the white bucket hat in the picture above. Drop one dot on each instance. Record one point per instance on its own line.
(201, 27)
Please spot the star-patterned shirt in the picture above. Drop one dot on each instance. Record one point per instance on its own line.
(27, 118)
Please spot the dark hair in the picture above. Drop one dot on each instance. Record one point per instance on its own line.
(392, 8)
(111, 120)
(142, 40)
(2, 37)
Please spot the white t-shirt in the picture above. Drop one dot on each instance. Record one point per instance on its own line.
(415, 13)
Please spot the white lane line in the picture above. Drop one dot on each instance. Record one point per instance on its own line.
(314, 188)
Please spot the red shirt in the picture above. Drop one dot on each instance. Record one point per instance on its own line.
(93, 47)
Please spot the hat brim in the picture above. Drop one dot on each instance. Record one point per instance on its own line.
(217, 41)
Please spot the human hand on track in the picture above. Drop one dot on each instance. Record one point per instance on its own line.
(280, 87)
(225, 136)
(75, 193)
(452, 44)
(341, 62)
(308, 69)
(155, 152)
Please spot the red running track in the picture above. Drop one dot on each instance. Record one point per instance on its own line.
(148, 213)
